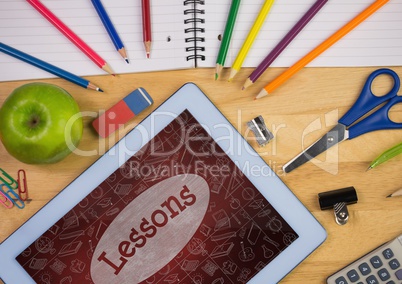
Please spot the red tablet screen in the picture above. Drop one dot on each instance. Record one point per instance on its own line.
(178, 211)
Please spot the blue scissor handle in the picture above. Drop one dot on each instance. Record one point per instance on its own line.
(378, 120)
(367, 100)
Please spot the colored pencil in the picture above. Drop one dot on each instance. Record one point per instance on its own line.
(263, 66)
(111, 30)
(321, 48)
(396, 193)
(45, 12)
(387, 155)
(227, 35)
(48, 67)
(146, 26)
(259, 21)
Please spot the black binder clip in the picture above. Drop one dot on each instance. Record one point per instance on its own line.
(338, 199)
(261, 132)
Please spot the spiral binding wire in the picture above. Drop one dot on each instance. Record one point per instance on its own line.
(195, 20)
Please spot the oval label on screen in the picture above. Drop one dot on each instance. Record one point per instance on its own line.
(151, 230)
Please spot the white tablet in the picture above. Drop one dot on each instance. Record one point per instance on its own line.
(182, 198)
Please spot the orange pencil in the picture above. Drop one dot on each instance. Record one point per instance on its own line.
(321, 48)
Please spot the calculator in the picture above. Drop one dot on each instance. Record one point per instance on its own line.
(380, 266)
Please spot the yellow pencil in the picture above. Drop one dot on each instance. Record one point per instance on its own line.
(321, 48)
(259, 21)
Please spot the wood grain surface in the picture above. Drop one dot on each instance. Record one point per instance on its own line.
(298, 113)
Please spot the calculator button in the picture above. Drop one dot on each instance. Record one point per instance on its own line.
(398, 274)
(364, 268)
(353, 276)
(341, 280)
(394, 264)
(376, 262)
(388, 253)
(372, 280)
(384, 274)
(390, 282)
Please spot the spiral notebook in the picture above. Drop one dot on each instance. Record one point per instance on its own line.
(186, 34)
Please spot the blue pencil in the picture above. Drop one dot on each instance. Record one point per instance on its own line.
(48, 67)
(114, 36)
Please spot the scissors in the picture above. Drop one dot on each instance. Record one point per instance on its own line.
(366, 102)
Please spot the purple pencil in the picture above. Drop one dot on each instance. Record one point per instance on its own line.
(284, 43)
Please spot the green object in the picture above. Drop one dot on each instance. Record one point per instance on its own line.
(40, 123)
(389, 154)
(227, 35)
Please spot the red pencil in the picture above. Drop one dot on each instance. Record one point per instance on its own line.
(70, 35)
(146, 25)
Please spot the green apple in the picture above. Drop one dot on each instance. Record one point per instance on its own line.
(40, 123)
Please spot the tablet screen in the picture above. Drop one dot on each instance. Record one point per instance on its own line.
(178, 211)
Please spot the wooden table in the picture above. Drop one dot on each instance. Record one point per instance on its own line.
(298, 113)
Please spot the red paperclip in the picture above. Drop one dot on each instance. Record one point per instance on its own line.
(22, 186)
(5, 201)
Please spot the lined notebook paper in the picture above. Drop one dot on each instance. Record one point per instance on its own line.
(180, 43)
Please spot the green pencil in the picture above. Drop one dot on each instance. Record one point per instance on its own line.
(227, 35)
(390, 153)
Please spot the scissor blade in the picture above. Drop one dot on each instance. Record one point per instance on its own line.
(333, 137)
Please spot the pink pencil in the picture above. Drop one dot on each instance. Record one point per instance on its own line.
(70, 35)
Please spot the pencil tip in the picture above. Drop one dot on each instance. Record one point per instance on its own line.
(369, 168)
(216, 76)
(255, 98)
(389, 196)
(148, 55)
(100, 90)
(242, 88)
(127, 61)
(261, 94)
(247, 83)
(233, 73)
